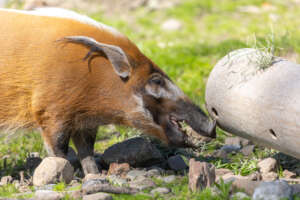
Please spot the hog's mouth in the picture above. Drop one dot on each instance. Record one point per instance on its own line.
(190, 137)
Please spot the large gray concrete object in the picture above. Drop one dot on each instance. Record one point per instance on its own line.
(257, 96)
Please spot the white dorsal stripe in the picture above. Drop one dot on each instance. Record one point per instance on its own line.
(67, 14)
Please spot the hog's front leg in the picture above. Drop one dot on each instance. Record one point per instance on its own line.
(84, 142)
(56, 142)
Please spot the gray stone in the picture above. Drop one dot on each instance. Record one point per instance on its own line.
(201, 175)
(53, 170)
(246, 185)
(222, 172)
(154, 172)
(142, 183)
(230, 148)
(267, 165)
(160, 190)
(269, 176)
(45, 187)
(176, 163)
(273, 191)
(169, 179)
(88, 177)
(48, 195)
(289, 174)
(117, 180)
(171, 25)
(221, 153)
(75, 194)
(255, 176)
(139, 153)
(247, 150)
(296, 189)
(93, 182)
(239, 196)
(98, 196)
(233, 141)
(133, 174)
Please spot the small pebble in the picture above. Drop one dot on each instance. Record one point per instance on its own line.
(160, 190)
(169, 179)
(98, 196)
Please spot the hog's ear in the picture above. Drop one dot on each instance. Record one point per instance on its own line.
(115, 54)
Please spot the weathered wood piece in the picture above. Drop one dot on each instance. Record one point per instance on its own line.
(257, 96)
(201, 175)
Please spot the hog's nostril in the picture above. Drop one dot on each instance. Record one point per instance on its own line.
(273, 134)
(214, 111)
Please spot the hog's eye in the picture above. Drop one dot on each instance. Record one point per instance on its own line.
(157, 81)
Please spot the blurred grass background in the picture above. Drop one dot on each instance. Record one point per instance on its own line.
(185, 38)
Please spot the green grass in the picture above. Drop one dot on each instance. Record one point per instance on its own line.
(210, 30)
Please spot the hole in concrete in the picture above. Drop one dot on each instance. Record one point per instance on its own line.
(273, 134)
(214, 111)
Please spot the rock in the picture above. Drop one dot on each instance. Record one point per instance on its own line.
(6, 180)
(75, 194)
(270, 176)
(45, 187)
(297, 171)
(289, 174)
(230, 148)
(94, 186)
(93, 177)
(118, 169)
(273, 191)
(245, 142)
(245, 184)
(233, 141)
(225, 177)
(171, 25)
(201, 175)
(142, 183)
(52, 170)
(169, 179)
(117, 181)
(176, 163)
(139, 153)
(267, 165)
(296, 189)
(160, 190)
(48, 195)
(92, 182)
(239, 196)
(221, 153)
(247, 150)
(154, 172)
(133, 174)
(255, 176)
(231, 177)
(98, 196)
(222, 171)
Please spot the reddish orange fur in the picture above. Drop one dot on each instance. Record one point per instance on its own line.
(43, 82)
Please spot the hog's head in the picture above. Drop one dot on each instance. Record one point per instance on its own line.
(154, 103)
